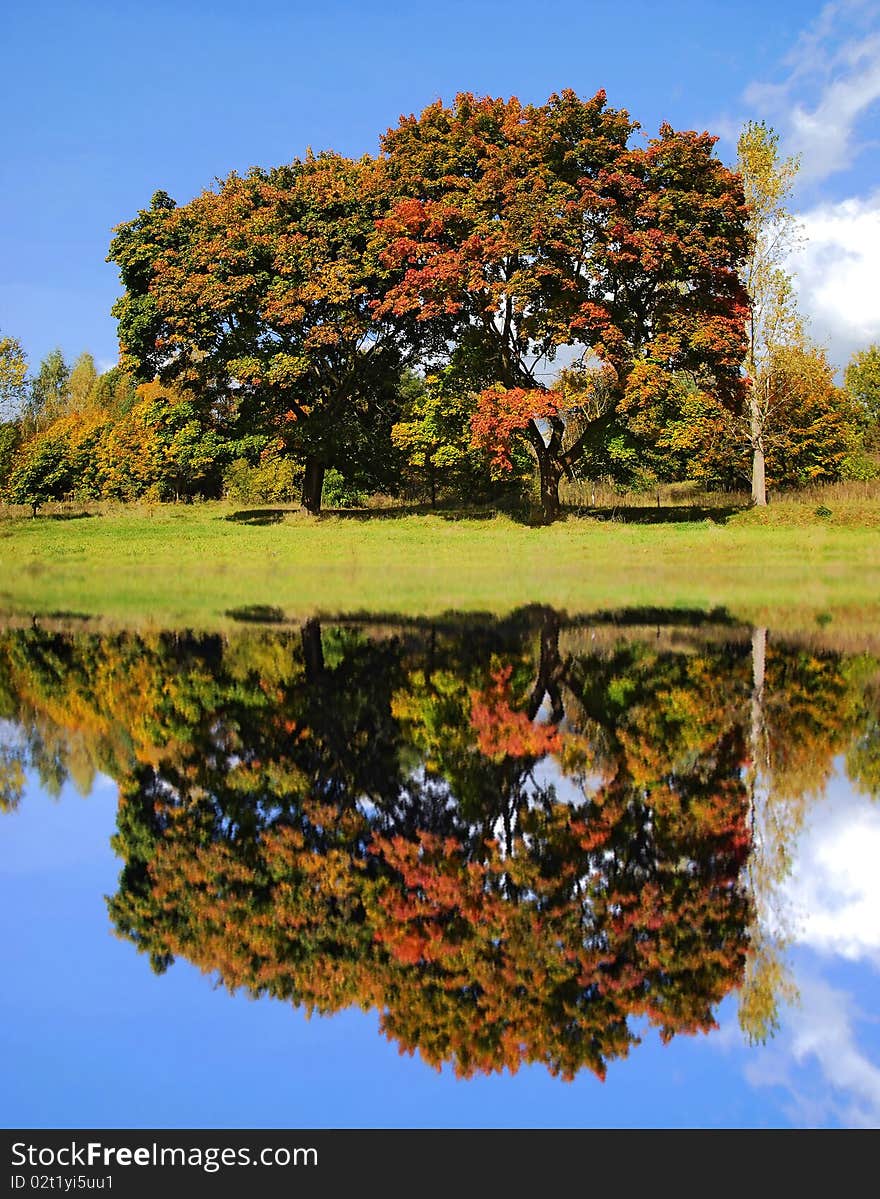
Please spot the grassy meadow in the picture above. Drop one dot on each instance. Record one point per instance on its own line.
(800, 562)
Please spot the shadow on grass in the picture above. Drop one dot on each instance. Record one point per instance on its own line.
(369, 514)
(625, 514)
(663, 515)
(259, 516)
(274, 516)
(67, 515)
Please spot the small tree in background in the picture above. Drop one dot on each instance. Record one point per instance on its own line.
(13, 392)
(42, 472)
(436, 440)
(49, 394)
(863, 384)
(82, 381)
(812, 434)
(13, 377)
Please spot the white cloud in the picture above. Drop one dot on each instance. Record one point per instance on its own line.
(824, 106)
(835, 270)
(832, 85)
(833, 894)
(821, 1032)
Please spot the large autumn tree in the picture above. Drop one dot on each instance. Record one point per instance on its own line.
(524, 229)
(261, 297)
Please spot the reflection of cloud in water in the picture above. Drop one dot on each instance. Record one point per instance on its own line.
(821, 1031)
(832, 898)
(833, 894)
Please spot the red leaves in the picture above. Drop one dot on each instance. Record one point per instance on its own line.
(502, 732)
(502, 412)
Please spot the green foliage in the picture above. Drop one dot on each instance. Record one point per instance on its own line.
(435, 440)
(385, 324)
(10, 437)
(548, 219)
(49, 392)
(115, 392)
(863, 384)
(774, 323)
(267, 290)
(191, 456)
(42, 472)
(162, 446)
(812, 430)
(13, 376)
(262, 478)
(340, 493)
(82, 381)
(860, 467)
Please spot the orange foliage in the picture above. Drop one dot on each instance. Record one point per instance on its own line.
(503, 732)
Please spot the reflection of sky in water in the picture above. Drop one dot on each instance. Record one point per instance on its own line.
(91, 1038)
(824, 1066)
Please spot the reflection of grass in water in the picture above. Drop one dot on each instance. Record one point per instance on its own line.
(192, 564)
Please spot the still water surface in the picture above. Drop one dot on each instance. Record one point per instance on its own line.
(532, 872)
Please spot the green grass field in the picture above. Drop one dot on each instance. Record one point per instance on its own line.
(194, 565)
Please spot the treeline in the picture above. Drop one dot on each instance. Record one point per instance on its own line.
(80, 436)
(504, 296)
(83, 436)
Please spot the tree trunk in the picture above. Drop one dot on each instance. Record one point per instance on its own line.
(313, 485)
(759, 484)
(551, 473)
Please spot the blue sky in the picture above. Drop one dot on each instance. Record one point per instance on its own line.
(105, 102)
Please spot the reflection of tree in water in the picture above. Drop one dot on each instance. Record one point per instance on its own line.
(808, 707)
(335, 819)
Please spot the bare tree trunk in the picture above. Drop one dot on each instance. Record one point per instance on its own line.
(313, 485)
(759, 483)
